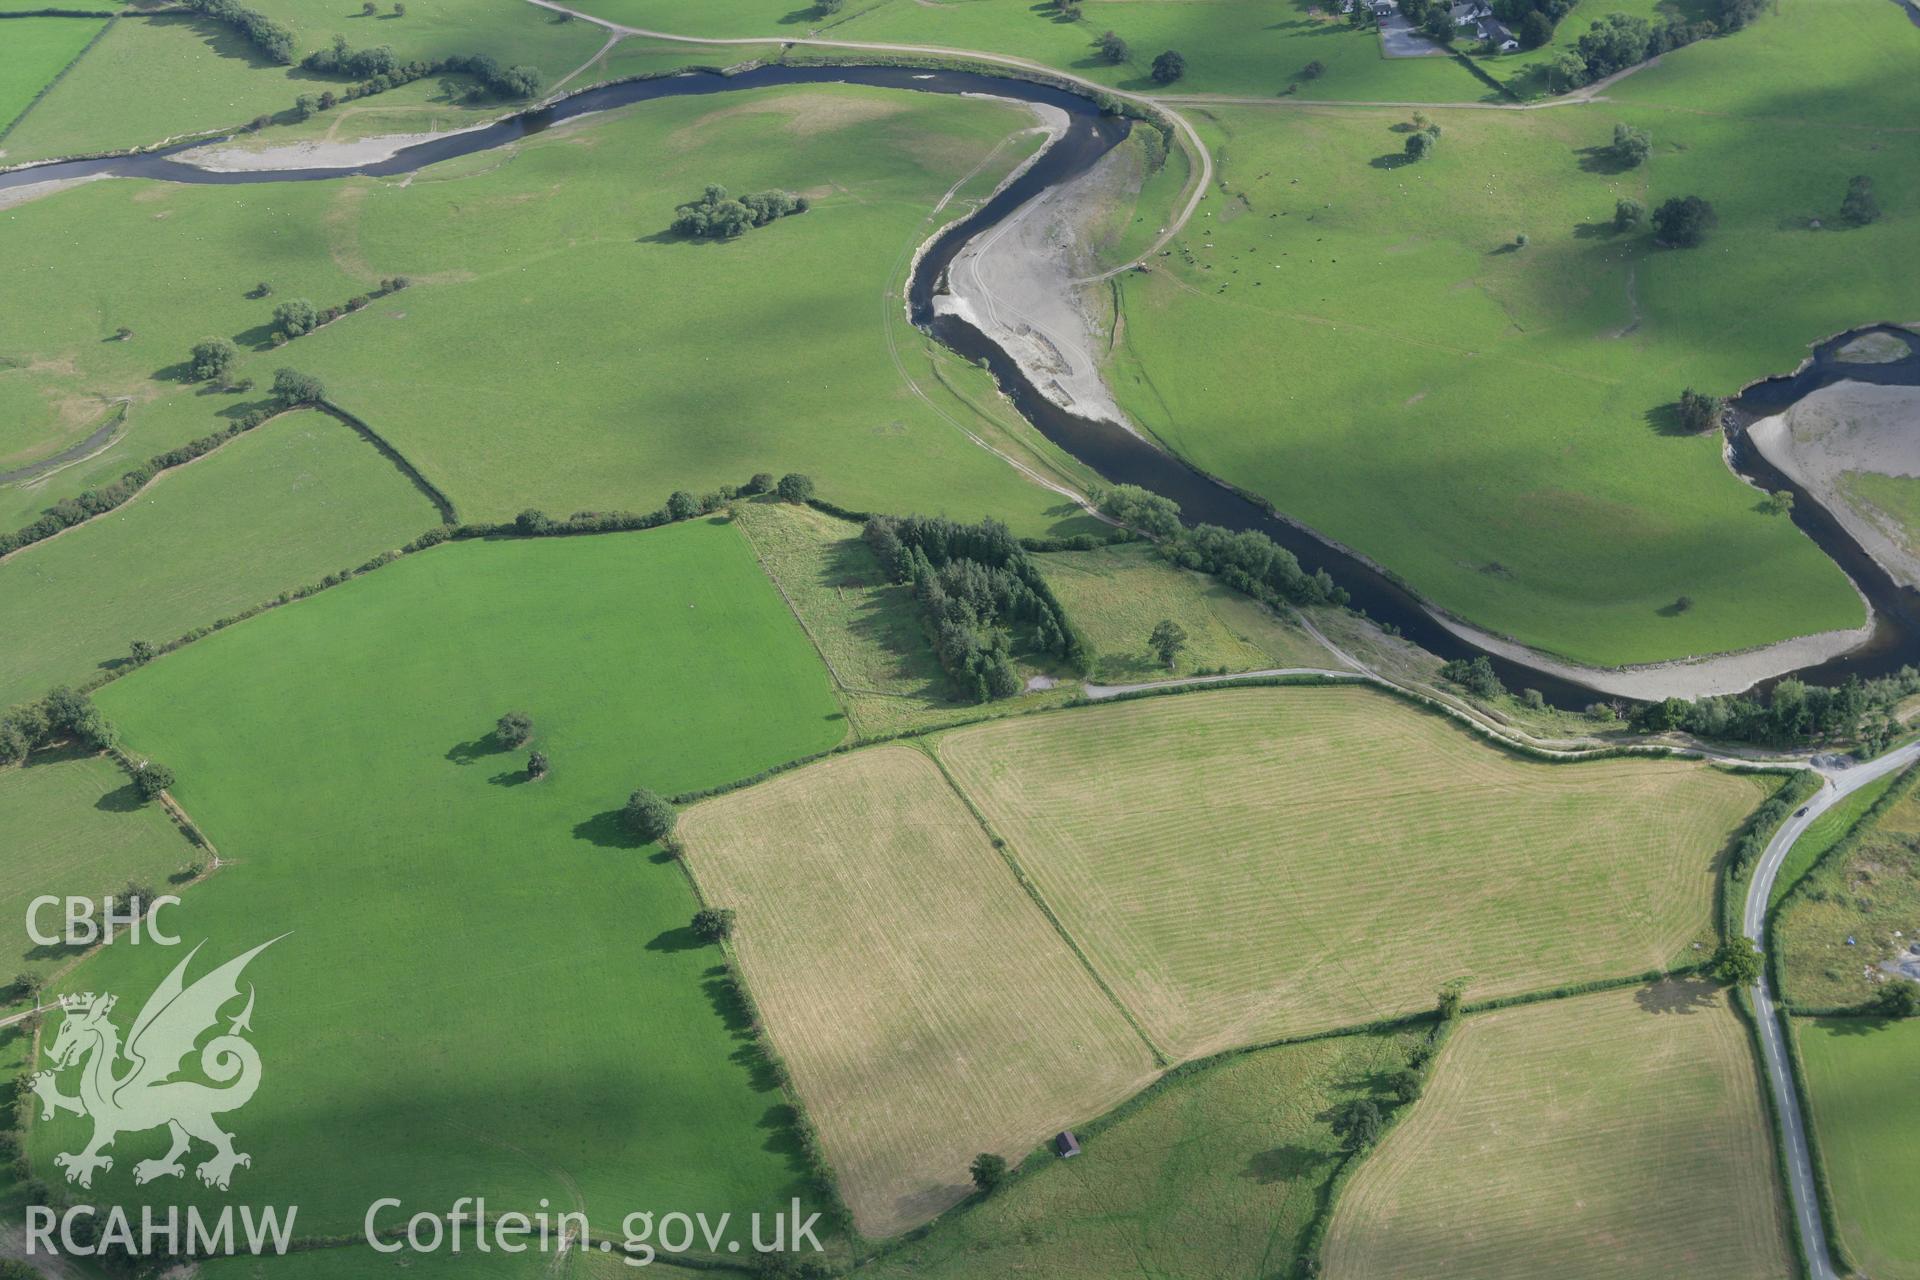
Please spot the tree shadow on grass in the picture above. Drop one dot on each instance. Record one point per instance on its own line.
(671, 940)
(1858, 1026)
(1285, 1163)
(1678, 995)
(723, 994)
(1594, 230)
(511, 778)
(1392, 160)
(258, 338)
(124, 799)
(478, 749)
(607, 831)
(1601, 160)
(1665, 420)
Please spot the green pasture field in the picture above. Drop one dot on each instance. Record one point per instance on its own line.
(361, 1261)
(275, 509)
(1524, 71)
(1117, 595)
(1203, 851)
(1869, 895)
(537, 269)
(1826, 831)
(75, 827)
(161, 76)
(1860, 1075)
(911, 1059)
(1491, 422)
(1252, 47)
(1895, 499)
(1579, 1138)
(1228, 1165)
(32, 52)
(484, 985)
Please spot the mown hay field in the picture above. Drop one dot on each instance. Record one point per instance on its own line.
(1613, 1136)
(1860, 1074)
(73, 825)
(1254, 863)
(926, 1008)
(1217, 1173)
(487, 986)
(277, 508)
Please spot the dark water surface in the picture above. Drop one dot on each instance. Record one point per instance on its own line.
(1117, 454)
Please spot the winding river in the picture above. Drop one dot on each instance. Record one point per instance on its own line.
(1115, 453)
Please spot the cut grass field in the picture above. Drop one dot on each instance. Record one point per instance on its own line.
(1853, 911)
(1860, 1076)
(1491, 422)
(534, 266)
(32, 52)
(275, 509)
(1248, 864)
(1618, 1135)
(1117, 595)
(1217, 1173)
(175, 75)
(75, 827)
(486, 987)
(927, 1009)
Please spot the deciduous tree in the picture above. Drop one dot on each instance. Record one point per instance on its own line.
(649, 816)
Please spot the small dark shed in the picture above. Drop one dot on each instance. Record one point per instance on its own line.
(1066, 1146)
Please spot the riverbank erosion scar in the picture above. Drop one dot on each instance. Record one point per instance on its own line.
(1020, 283)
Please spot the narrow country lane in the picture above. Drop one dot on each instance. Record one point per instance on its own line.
(1793, 1125)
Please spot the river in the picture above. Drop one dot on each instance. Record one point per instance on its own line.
(1114, 452)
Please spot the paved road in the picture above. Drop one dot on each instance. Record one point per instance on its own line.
(1806, 1206)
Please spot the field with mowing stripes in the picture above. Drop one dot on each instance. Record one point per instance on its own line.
(926, 1008)
(32, 52)
(1615, 1136)
(1860, 1075)
(277, 508)
(1255, 863)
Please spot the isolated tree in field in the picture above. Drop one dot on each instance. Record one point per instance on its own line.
(1859, 207)
(1735, 963)
(795, 487)
(713, 924)
(513, 728)
(212, 359)
(1419, 145)
(827, 8)
(1683, 604)
(291, 387)
(1628, 213)
(27, 985)
(140, 653)
(538, 764)
(762, 482)
(399, 8)
(369, 9)
(152, 778)
(1898, 999)
(682, 505)
(1779, 502)
(1358, 1122)
(1684, 221)
(1169, 66)
(1631, 146)
(1521, 240)
(1167, 640)
(988, 1170)
(1313, 70)
(1111, 47)
(1069, 10)
(1702, 412)
(296, 316)
(648, 816)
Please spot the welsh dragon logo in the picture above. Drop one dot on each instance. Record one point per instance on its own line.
(129, 1088)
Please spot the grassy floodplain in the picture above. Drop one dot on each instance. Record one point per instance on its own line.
(1116, 595)
(171, 75)
(276, 508)
(1539, 1148)
(1490, 421)
(1853, 911)
(1254, 47)
(485, 987)
(1276, 914)
(1228, 1165)
(75, 826)
(32, 53)
(925, 1006)
(532, 265)
(1860, 1074)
